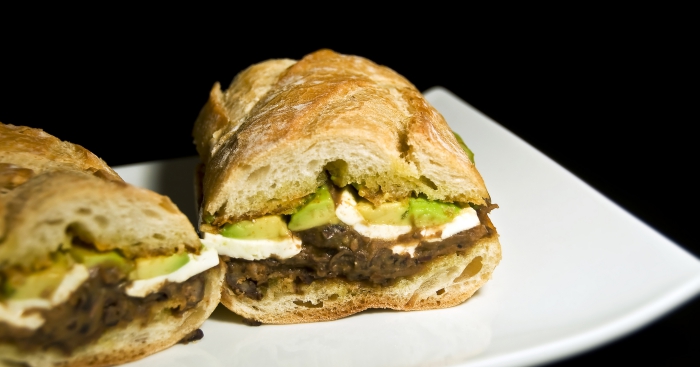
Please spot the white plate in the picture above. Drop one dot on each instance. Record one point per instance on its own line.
(577, 271)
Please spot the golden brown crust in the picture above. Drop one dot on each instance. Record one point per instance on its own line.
(133, 342)
(224, 112)
(445, 282)
(363, 122)
(35, 150)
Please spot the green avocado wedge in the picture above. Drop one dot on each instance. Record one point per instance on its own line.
(151, 267)
(393, 213)
(320, 210)
(428, 213)
(270, 227)
(420, 212)
(91, 258)
(39, 284)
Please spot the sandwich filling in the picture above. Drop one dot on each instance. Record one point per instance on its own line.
(337, 233)
(84, 292)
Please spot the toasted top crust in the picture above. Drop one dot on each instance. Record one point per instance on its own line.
(24, 148)
(39, 214)
(268, 139)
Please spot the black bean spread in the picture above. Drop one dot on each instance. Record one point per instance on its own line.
(337, 250)
(98, 304)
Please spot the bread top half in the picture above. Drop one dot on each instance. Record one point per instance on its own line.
(34, 151)
(284, 126)
(55, 190)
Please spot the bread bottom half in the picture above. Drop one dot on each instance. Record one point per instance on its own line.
(446, 281)
(129, 343)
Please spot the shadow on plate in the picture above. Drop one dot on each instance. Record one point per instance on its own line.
(221, 313)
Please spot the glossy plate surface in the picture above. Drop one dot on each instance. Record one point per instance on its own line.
(577, 271)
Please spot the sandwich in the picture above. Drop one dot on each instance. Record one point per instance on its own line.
(329, 185)
(93, 271)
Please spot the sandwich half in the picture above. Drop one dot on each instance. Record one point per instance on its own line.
(93, 271)
(330, 185)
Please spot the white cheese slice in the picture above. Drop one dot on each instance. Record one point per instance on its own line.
(252, 249)
(71, 281)
(467, 219)
(208, 258)
(13, 311)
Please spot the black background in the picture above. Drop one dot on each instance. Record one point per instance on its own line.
(610, 102)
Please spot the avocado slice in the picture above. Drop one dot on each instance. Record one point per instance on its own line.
(428, 213)
(151, 267)
(394, 213)
(470, 154)
(91, 258)
(39, 284)
(208, 218)
(271, 227)
(318, 211)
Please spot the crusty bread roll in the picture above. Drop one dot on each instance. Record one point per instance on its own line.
(59, 197)
(28, 149)
(284, 128)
